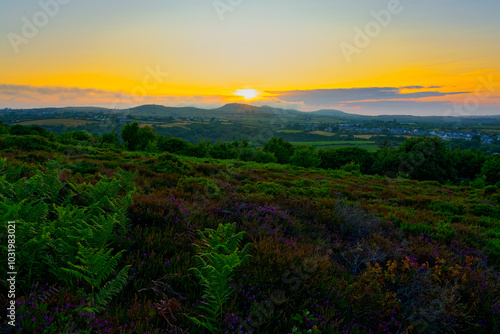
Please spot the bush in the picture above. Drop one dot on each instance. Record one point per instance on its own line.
(305, 156)
(84, 167)
(169, 163)
(21, 130)
(173, 145)
(336, 158)
(351, 167)
(425, 159)
(223, 151)
(491, 169)
(485, 210)
(200, 150)
(490, 190)
(199, 186)
(281, 149)
(247, 154)
(264, 157)
(27, 143)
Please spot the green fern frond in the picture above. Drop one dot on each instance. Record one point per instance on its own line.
(217, 258)
(111, 288)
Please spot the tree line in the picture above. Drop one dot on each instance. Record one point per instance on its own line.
(421, 158)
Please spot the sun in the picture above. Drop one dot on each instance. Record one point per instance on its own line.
(247, 94)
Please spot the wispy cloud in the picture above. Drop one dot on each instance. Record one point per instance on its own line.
(419, 100)
(327, 97)
(21, 96)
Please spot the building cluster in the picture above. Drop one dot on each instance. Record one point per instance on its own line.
(485, 138)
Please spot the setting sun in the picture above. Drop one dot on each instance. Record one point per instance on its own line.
(247, 94)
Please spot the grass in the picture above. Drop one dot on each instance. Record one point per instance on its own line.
(368, 145)
(323, 133)
(290, 131)
(58, 121)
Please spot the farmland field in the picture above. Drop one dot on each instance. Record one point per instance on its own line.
(323, 133)
(290, 131)
(58, 121)
(368, 145)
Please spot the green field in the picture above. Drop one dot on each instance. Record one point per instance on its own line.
(368, 145)
(290, 131)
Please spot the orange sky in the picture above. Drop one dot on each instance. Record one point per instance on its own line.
(188, 53)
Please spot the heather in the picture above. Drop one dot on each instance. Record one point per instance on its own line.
(115, 241)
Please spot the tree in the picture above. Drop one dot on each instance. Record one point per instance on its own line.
(467, 163)
(110, 138)
(173, 145)
(224, 151)
(264, 157)
(137, 138)
(385, 162)
(336, 158)
(491, 169)
(305, 156)
(4, 128)
(200, 150)
(146, 136)
(130, 135)
(281, 149)
(426, 159)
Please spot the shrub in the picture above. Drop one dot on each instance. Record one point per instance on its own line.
(199, 186)
(173, 145)
(351, 167)
(84, 167)
(248, 154)
(491, 169)
(336, 158)
(485, 210)
(490, 190)
(281, 149)
(27, 143)
(169, 163)
(305, 156)
(264, 157)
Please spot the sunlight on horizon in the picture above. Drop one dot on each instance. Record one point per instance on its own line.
(247, 94)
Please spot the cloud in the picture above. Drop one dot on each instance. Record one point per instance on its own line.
(327, 97)
(425, 100)
(28, 96)
(420, 87)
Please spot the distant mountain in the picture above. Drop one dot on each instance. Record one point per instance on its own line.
(159, 110)
(246, 111)
(83, 109)
(237, 110)
(331, 113)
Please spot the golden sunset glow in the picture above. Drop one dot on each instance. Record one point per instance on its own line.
(247, 94)
(310, 55)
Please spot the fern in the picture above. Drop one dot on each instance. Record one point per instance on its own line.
(95, 268)
(55, 219)
(218, 256)
(111, 288)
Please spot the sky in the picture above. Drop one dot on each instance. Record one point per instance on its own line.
(414, 57)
